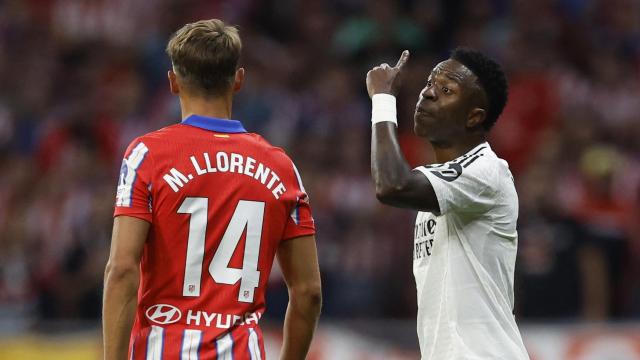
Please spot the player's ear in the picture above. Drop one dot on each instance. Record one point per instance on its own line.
(173, 82)
(476, 117)
(238, 80)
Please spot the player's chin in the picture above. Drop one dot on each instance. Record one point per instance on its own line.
(419, 127)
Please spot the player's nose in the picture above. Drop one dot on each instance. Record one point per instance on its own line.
(428, 93)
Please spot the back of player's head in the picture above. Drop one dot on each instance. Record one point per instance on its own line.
(205, 55)
(491, 79)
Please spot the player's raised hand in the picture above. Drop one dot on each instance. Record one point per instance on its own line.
(384, 79)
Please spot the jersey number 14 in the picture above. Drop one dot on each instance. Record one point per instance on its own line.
(247, 214)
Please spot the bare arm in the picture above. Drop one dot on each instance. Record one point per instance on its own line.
(299, 262)
(396, 184)
(121, 280)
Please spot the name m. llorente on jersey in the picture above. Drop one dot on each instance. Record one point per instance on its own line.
(465, 237)
(226, 163)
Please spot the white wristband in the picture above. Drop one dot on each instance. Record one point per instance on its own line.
(383, 108)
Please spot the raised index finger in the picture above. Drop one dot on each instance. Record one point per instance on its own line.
(403, 59)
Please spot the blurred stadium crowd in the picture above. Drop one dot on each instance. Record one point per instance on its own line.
(80, 79)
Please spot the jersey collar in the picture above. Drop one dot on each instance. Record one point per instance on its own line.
(215, 124)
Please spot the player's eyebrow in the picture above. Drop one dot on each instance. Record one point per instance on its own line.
(452, 75)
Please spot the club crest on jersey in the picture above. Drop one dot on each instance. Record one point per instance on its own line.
(163, 314)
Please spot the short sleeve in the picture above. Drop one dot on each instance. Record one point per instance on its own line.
(133, 196)
(463, 187)
(300, 221)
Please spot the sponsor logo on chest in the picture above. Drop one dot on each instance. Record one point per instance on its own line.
(424, 234)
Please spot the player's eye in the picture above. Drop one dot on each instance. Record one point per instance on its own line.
(429, 83)
(445, 90)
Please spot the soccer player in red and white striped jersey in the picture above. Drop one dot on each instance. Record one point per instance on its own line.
(202, 209)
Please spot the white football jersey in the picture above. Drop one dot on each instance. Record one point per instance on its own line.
(464, 258)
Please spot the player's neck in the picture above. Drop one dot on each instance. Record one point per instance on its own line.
(448, 151)
(219, 107)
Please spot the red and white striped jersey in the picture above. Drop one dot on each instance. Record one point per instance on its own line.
(219, 200)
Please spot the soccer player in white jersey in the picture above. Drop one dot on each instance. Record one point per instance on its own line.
(465, 237)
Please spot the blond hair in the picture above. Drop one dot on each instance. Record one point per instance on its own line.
(205, 55)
